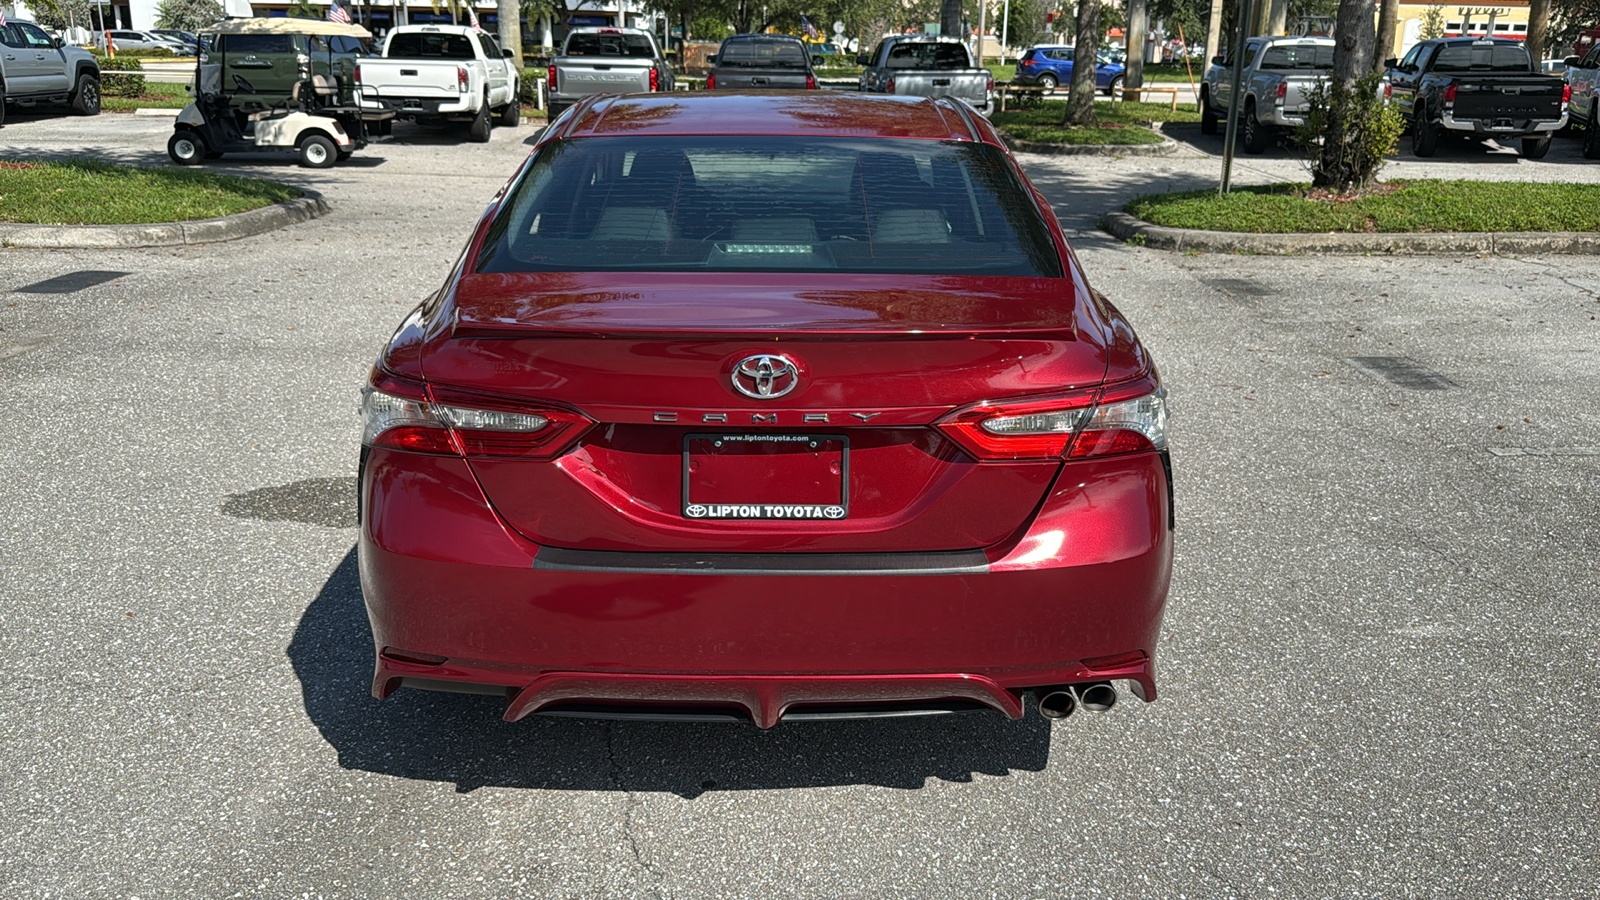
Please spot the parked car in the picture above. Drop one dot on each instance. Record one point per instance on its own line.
(36, 68)
(606, 61)
(1582, 78)
(190, 41)
(1475, 87)
(433, 74)
(1050, 66)
(140, 40)
(1278, 73)
(757, 62)
(772, 406)
(921, 65)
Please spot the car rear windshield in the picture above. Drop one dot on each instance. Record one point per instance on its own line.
(928, 55)
(1315, 56)
(590, 44)
(763, 54)
(422, 45)
(1483, 58)
(779, 204)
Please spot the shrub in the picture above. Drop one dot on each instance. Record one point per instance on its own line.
(122, 76)
(1347, 134)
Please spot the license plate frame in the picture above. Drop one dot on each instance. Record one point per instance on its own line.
(762, 509)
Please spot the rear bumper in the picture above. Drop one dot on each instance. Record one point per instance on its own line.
(418, 106)
(1513, 129)
(456, 597)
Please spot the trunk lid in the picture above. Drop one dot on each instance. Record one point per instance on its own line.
(879, 359)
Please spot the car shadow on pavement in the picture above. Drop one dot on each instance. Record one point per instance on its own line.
(462, 739)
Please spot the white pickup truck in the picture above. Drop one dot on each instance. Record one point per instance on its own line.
(442, 73)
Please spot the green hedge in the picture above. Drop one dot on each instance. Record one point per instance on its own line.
(120, 77)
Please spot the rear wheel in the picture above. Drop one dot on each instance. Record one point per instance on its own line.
(317, 152)
(1048, 82)
(1424, 137)
(1255, 135)
(478, 131)
(87, 99)
(511, 115)
(186, 148)
(1535, 148)
(1591, 139)
(1208, 117)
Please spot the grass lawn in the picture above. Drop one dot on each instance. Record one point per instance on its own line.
(1120, 123)
(157, 95)
(85, 192)
(1397, 206)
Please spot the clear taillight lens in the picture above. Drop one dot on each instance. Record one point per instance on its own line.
(1126, 426)
(407, 415)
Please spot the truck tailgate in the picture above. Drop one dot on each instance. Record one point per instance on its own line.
(761, 79)
(577, 76)
(1296, 88)
(1515, 99)
(421, 78)
(971, 86)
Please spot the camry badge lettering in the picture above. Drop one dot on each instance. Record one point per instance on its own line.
(765, 376)
(866, 417)
(714, 417)
(814, 417)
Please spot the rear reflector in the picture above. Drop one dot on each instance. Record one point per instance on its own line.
(408, 415)
(1125, 418)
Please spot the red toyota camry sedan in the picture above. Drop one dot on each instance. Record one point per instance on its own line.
(779, 406)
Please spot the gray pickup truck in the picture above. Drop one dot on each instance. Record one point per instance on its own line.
(761, 62)
(36, 68)
(606, 61)
(924, 65)
(1278, 72)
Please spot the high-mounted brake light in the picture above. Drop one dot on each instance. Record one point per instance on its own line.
(1126, 418)
(403, 414)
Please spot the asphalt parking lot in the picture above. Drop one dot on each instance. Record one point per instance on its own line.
(1379, 669)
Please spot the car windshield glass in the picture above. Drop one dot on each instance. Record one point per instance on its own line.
(1483, 58)
(778, 204)
(763, 54)
(423, 45)
(589, 44)
(1292, 56)
(928, 55)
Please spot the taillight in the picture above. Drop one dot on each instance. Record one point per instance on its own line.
(1127, 419)
(355, 74)
(811, 82)
(1283, 90)
(1450, 94)
(407, 415)
(461, 79)
(711, 82)
(1388, 91)
(550, 79)
(989, 84)
(888, 86)
(1566, 93)
(655, 81)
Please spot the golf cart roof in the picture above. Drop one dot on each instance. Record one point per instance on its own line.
(286, 25)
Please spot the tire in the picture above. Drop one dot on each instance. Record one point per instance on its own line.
(1114, 87)
(511, 115)
(87, 100)
(478, 131)
(1209, 124)
(186, 148)
(1591, 139)
(1424, 137)
(1535, 148)
(1255, 136)
(318, 152)
(1048, 82)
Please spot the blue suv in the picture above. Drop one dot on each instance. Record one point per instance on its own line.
(1050, 66)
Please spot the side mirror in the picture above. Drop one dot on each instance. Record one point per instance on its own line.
(1219, 60)
(863, 60)
(1390, 63)
(57, 43)
(711, 59)
(506, 54)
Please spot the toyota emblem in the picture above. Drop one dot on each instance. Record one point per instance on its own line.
(765, 377)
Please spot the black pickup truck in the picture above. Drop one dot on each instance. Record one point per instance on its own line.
(1476, 88)
(761, 62)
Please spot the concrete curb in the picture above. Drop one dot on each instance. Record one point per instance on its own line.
(167, 234)
(1167, 147)
(1513, 243)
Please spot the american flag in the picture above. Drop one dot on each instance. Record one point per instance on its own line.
(2, 18)
(336, 13)
(472, 17)
(811, 30)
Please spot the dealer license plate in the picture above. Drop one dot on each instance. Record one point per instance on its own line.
(765, 476)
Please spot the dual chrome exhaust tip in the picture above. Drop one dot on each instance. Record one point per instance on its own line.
(1063, 700)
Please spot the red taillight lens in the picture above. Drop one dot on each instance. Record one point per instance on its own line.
(811, 82)
(356, 74)
(1283, 89)
(655, 81)
(1566, 93)
(461, 79)
(711, 82)
(888, 86)
(1127, 418)
(1450, 94)
(989, 84)
(1388, 91)
(550, 79)
(406, 415)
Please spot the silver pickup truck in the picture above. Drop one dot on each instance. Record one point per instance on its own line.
(1278, 71)
(36, 68)
(923, 65)
(606, 61)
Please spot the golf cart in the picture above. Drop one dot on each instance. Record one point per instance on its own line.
(279, 84)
